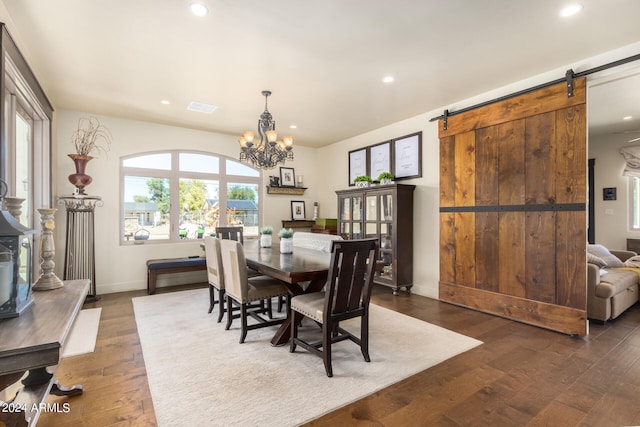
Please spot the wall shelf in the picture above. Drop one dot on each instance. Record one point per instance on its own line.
(292, 191)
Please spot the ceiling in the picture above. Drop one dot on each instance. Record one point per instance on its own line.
(324, 60)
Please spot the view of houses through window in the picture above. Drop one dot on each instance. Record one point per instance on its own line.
(176, 195)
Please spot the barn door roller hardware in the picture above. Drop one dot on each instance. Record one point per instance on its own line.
(569, 77)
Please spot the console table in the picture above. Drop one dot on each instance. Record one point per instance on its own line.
(29, 345)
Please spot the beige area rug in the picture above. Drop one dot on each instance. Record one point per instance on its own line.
(199, 375)
(83, 334)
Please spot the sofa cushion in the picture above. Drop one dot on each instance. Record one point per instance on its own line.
(616, 281)
(603, 253)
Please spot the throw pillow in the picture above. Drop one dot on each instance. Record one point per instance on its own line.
(634, 262)
(592, 259)
(601, 252)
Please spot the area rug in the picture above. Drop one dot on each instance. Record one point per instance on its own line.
(83, 334)
(199, 375)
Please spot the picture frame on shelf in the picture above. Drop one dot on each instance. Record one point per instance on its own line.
(357, 164)
(379, 159)
(287, 177)
(407, 155)
(298, 210)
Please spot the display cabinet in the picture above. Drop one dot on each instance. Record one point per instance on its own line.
(384, 212)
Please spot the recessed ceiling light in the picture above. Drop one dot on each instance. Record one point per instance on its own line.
(199, 9)
(388, 79)
(293, 127)
(201, 107)
(627, 118)
(570, 10)
(165, 102)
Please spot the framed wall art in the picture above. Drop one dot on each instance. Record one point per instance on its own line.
(357, 164)
(287, 177)
(407, 153)
(609, 193)
(379, 159)
(297, 210)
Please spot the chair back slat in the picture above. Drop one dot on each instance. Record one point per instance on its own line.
(234, 268)
(350, 276)
(231, 233)
(213, 256)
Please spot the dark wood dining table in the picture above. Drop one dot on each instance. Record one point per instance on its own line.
(303, 265)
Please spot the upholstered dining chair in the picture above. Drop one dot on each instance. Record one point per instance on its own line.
(244, 290)
(215, 276)
(346, 296)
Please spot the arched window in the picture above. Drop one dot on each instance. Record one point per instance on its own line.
(168, 196)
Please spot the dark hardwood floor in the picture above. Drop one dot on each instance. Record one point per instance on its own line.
(520, 376)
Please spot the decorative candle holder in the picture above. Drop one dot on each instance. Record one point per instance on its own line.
(48, 279)
(14, 206)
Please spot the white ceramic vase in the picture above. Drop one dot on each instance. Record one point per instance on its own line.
(286, 246)
(265, 240)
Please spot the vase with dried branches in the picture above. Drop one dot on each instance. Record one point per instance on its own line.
(90, 137)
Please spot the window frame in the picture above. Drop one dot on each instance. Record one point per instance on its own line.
(633, 185)
(174, 175)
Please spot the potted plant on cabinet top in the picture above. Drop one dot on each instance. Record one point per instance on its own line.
(386, 178)
(265, 237)
(362, 181)
(89, 137)
(286, 240)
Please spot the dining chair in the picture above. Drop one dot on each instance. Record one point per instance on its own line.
(346, 296)
(244, 290)
(231, 233)
(214, 274)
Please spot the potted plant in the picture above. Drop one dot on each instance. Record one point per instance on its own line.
(362, 181)
(385, 178)
(265, 237)
(286, 240)
(89, 137)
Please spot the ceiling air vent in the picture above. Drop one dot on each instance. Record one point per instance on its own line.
(201, 107)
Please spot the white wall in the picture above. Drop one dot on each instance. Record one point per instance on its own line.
(122, 267)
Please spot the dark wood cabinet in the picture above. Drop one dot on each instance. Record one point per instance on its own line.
(385, 212)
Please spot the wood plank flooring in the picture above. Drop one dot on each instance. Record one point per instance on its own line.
(520, 376)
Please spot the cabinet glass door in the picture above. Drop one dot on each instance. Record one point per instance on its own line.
(357, 208)
(386, 251)
(345, 208)
(386, 207)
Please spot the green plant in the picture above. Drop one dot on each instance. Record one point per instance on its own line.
(91, 136)
(266, 230)
(286, 233)
(362, 178)
(386, 175)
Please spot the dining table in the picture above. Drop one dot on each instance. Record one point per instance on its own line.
(303, 271)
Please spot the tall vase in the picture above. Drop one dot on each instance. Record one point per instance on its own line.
(48, 279)
(80, 179)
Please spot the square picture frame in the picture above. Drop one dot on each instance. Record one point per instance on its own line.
(298, 210)
(609, 193)
(358, 164)
(407, 155)
(287, 177)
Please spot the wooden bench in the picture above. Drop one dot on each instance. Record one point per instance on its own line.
(156, 267)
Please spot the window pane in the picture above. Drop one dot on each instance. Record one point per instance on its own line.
(235, 168)
(199, 208)
(23, 168)
(152, 161)
(242, 207)
(146, 208)
(193, 162)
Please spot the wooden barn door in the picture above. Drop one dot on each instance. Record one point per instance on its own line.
(512, 208)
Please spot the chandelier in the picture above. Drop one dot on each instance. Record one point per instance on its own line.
(268, 152)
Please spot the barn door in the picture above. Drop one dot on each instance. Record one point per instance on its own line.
(512, 208)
